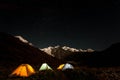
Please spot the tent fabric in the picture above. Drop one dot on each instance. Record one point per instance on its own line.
(45, 66)
(61, 67)
(65, 66)
(24, 70)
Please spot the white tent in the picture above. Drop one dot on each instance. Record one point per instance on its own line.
(45, 66)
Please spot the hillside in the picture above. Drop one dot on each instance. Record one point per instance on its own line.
(14, 52)
(106, 58)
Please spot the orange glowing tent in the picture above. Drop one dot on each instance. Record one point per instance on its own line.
(24, 70)
(61, 67)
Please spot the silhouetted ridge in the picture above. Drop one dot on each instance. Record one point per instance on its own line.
(105, 58)
(14, 52)
(113, 48)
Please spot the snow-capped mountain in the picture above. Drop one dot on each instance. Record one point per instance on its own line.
(61, 52)
(23, 40)
(56, 51)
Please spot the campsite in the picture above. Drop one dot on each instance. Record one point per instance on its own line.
(62, 72)
(59, 39)
(45, 72)
(23, 61)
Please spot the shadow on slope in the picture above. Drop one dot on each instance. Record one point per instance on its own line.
(106, 58)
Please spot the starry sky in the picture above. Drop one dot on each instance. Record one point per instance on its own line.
(81, 24)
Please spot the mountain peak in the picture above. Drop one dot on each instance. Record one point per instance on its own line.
(61, 52)
(23, 39)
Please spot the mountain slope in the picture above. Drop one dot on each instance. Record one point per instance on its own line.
(14, 52)
(105, 58)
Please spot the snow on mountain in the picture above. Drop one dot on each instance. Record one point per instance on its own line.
(61, 52)
(23, 40)
(70, 49)
(48, 50)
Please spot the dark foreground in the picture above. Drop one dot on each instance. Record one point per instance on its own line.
(112, 73)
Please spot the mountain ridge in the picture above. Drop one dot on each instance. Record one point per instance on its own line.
(14, 51)
(62, 51)
(106, 58)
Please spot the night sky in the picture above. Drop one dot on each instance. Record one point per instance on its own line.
(86, 24)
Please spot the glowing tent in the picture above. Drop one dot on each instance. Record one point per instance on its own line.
(45, 66)
(65, 66)
(61, 67)
(24, 70)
